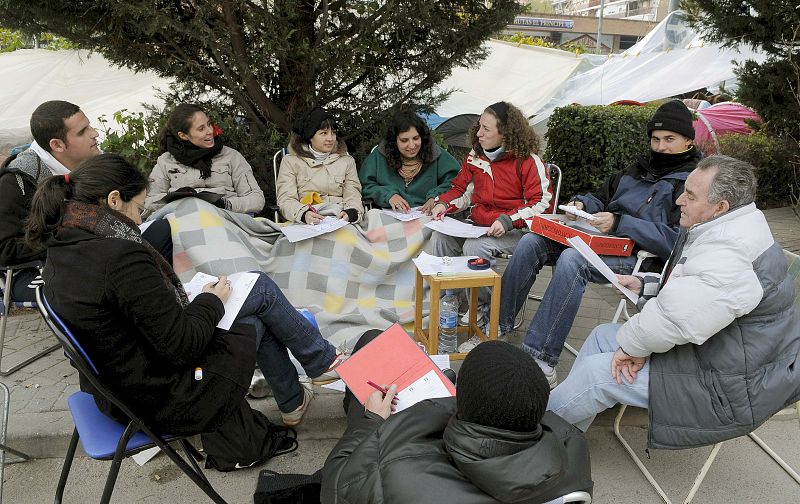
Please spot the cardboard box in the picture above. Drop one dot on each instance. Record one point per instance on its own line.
(556, 228)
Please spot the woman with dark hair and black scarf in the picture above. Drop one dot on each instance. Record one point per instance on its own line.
(408, 169)
(194, 159)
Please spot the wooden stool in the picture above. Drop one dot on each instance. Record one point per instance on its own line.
(430, 338)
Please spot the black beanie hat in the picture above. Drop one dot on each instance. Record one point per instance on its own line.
(501, 386)
(672, 116)
(308, 124)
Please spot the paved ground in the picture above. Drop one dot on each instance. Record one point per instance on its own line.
(40, 425)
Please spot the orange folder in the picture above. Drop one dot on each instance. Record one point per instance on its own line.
(391, 358)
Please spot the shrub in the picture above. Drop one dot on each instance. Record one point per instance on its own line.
(590, 143)
(777, 162)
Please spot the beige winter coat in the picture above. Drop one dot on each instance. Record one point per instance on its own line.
(334, 178)
(231, 176)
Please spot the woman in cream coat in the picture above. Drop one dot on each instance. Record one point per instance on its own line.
(318, 177)
(195, 160)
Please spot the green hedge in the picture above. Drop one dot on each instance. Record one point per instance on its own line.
(589, 143)
(777, 162)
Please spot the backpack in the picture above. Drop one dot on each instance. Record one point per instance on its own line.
(246, 438)
(275, 488)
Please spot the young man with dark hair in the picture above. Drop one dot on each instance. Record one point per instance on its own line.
(63, 138)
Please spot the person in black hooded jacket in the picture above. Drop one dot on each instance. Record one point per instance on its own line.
(494, 442)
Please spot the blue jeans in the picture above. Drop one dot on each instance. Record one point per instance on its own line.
(590, 388)
(280, 326)
(551, 323)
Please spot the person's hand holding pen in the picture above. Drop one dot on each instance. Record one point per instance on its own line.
(382, 401)
(221, 288)
(312, 217)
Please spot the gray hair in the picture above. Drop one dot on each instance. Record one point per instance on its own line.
(735, 181)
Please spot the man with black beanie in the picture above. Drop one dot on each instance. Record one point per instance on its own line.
(494, 442)
(637, 202)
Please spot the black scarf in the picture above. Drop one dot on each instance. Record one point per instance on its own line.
(189, 154)
(661, 163)
(109, 223)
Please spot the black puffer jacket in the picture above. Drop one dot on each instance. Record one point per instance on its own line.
(18, 182)
(426, 454)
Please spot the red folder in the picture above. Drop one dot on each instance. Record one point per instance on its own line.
(554, 227)
(392, 357)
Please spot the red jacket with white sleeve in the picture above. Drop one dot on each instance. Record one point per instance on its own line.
(506, 186)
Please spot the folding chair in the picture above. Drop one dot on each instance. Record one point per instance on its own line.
(794, 272)
(6, 311)
(20, 457)
(102, 437)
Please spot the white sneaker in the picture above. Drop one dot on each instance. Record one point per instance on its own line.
(549, 373)
(469, 344)
(464, 320)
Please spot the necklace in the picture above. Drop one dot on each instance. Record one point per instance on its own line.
(409, 170)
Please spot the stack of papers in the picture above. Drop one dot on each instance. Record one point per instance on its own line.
(432, 265)
(241, 283)
(413, 214)
(298, 232)
(453, 227)
(577, 212)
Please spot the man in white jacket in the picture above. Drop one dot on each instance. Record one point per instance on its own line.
(714, 351)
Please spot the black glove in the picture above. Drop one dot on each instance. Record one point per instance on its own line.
(221, 203)
(186, 190)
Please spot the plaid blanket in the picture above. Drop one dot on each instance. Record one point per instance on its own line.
(357, 278)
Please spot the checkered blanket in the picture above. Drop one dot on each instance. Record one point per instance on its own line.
(357, 278)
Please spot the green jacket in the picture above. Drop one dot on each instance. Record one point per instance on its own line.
(379, 182)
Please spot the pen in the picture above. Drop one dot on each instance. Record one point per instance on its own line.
(377, 387)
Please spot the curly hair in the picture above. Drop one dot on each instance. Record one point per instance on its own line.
(402, 122)
(518, 136)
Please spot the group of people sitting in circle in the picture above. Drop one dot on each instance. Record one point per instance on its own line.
(712, 353)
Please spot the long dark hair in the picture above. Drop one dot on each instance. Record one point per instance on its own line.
(402, 122)
(90, 183)
(179, 121)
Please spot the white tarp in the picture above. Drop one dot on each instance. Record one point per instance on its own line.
(32, 76)
(526, 76)
(672, 59)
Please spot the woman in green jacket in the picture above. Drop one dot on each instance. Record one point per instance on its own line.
(407, 169)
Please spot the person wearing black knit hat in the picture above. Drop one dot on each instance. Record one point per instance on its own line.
(493, 442)
(318, 177)
(637, 202)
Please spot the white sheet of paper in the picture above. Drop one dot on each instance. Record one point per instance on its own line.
(442, 361)
(145, 456)
(242, 283)
(433, 265)
(142, 228)
(453, 227)
(590, 255)
(298, 232)
(570, 209)
(429, 386)
(413, 214)
(337, 385)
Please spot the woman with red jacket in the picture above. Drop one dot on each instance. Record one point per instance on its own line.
(510, 185)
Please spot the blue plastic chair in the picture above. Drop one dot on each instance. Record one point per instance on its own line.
(102, 437)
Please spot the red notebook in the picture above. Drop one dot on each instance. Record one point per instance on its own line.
(394, 358)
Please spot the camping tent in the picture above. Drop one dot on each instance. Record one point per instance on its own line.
(672, 59)
(33, 76)
(526, 76)
(720, 119)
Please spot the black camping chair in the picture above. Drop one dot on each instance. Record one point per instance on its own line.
(102, 437)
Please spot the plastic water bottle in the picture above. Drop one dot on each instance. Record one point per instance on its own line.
(448, 323)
